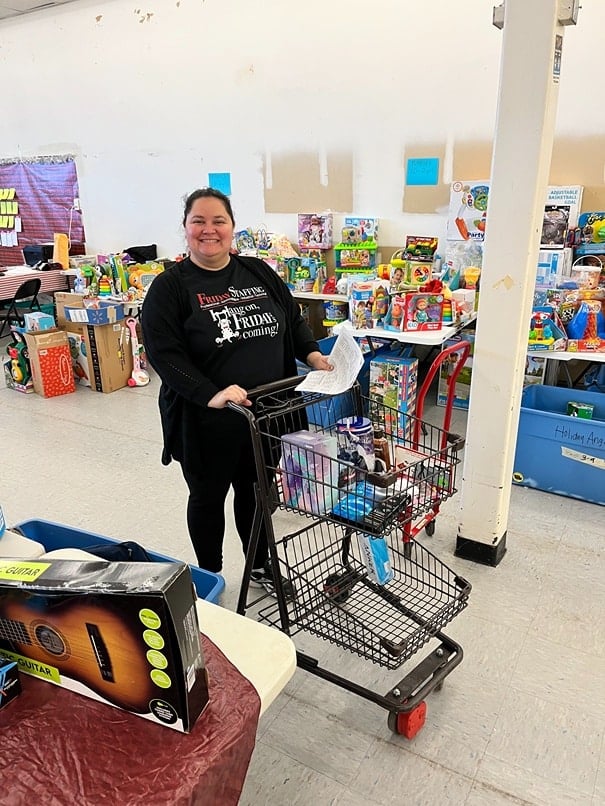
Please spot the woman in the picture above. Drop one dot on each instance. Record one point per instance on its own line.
(214, 326)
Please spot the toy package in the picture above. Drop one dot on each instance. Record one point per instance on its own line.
(546, 330)
(393, 384)
(586, 329)
(375, 555)
(360, 230)
(554, 226)
(422, 311)
(309, 472)
(467, 215)
(592, 227)
(315, 230)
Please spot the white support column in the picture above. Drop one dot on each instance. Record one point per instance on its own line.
(529, 71)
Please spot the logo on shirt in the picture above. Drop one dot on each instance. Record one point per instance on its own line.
(238, 315)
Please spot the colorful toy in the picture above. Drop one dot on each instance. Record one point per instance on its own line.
(545, 331)
(139, 377)
(422, 311)
(587, 327)
(17, 370)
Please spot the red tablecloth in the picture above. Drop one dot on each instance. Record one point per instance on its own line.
(58, 748)
(53, 280)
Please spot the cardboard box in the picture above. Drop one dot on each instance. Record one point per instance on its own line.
(103, 313)
(10, 685)
(105, 347)
(109, 356)
(125, 634)
(38, 321)
(50, 362)
(62, 299)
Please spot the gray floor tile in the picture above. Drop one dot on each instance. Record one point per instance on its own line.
(559, 745)
(392, 775)
(347, 746)
(276, 779)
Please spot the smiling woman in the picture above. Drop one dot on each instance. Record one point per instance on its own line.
(209, 226)
(216, 325)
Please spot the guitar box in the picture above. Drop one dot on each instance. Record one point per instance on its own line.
(125, 634)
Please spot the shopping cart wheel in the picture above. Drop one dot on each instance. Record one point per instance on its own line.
(408, 723)
(337, 588)
(430, 528)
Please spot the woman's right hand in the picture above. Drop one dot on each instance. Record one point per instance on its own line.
(232, 394)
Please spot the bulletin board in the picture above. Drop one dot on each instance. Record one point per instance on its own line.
(36, 200)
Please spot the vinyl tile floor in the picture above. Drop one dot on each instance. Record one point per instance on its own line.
(520, 721)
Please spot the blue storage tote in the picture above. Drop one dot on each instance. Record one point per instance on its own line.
(53, 536)
(559, 453)
(326, 413)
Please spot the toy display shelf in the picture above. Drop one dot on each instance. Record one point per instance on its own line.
(551, 373)
(564, 355)
(426, 337)
(325, 297)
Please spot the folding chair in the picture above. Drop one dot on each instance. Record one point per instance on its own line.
(27, 291)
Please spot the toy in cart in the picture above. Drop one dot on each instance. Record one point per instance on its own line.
(354, 573)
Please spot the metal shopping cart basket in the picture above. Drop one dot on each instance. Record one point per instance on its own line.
(354, 574)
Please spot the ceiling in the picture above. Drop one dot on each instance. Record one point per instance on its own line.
(15, 8)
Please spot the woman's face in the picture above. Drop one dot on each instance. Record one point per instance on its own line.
(209, 232)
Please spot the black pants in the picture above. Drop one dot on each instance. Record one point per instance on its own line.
(228, 462)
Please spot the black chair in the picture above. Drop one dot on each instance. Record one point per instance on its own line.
(27, 292)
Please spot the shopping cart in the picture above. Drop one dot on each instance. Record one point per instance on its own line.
(327, 582)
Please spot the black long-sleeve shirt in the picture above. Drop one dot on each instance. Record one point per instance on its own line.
(204, 330)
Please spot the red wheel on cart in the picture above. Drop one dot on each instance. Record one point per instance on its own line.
(430, 528)
(408, 723)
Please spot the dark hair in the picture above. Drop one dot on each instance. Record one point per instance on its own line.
(204, 193)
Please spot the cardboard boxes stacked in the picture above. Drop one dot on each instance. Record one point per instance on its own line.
(99, 339)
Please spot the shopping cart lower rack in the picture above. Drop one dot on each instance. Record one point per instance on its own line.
(354, 575)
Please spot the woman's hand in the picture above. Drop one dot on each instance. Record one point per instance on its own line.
(232, 394)
(318, 360)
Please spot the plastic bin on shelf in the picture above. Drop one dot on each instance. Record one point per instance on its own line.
(558, 453)
(53, 536)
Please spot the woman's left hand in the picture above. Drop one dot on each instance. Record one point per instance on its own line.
(318, 360)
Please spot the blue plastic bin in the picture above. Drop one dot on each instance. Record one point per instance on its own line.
(53, 536)
(558, 453)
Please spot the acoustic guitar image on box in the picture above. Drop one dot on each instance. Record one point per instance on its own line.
(85, 641)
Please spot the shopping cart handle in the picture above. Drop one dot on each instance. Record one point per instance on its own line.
(274, 386)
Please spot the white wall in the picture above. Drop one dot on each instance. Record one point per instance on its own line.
(150, 105)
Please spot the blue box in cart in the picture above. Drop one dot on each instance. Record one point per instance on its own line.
(559, 453)
(53, 536)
